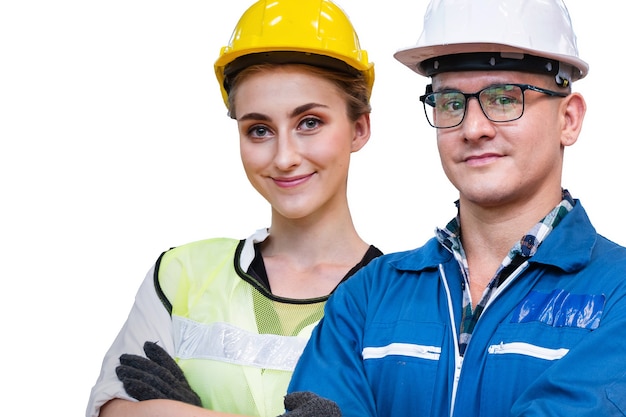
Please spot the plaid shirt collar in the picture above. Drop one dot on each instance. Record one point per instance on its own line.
(450, 238)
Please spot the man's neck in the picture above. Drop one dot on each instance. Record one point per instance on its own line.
(488, 234)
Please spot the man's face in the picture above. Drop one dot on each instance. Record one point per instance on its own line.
(494, 164)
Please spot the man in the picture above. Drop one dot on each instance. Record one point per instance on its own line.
(518, 306)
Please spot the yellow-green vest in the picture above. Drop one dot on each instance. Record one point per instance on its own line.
(236, 343)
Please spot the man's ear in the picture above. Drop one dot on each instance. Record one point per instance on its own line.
(573, 112)
(362, 132)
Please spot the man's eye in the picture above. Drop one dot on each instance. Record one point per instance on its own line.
(503, 101)
(451, 105)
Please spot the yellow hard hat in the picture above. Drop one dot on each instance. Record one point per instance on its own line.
(315, 32)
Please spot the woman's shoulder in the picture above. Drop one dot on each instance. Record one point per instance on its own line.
(201, 247)
(219, 243)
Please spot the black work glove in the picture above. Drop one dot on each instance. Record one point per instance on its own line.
(308, 404)
(155, 377)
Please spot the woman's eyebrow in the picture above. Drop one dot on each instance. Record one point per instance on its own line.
(306, 107)
(298, 110)
(254, 116)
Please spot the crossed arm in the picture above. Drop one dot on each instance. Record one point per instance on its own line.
(162, 390)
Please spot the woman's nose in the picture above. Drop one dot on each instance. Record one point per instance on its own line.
(287, 152)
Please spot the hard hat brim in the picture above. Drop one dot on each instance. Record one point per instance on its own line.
(414, 57)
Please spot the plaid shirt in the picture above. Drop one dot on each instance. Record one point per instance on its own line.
(450, 237)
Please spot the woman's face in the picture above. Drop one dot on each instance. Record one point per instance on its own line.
(296, 140)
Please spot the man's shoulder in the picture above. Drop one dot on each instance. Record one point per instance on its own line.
(606, 248)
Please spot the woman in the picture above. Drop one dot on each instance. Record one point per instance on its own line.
(236, 314)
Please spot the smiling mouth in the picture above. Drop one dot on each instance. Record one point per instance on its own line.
(483, 159)
(292, 181)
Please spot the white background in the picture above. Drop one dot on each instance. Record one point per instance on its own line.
(116, 146)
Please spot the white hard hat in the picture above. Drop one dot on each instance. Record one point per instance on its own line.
(525, 35)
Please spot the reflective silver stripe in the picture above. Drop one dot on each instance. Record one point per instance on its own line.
(458, 359)
(528, 349)
(402, 349)
(227, 343)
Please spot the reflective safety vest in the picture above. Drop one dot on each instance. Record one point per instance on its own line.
(236, 343)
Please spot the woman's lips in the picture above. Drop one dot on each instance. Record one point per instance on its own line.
(291, 181)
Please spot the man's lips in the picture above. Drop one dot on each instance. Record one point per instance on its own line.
(482, 159)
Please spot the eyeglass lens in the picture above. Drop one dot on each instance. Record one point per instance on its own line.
(501, 103)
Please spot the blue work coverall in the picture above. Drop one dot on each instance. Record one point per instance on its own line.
(552, 342)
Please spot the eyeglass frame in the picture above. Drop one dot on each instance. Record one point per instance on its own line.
(476, 95)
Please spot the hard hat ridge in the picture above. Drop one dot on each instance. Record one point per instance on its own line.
(313, 32)
(524, 35)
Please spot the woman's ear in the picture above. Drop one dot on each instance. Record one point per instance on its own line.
(573, 113)
(362, 132)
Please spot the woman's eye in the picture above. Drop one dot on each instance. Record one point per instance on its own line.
(258, 131)
(310, 123)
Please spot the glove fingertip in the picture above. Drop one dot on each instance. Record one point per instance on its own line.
(159, 355)
(120, 371)
(153, 349)
(132, 360)
(190, 397)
